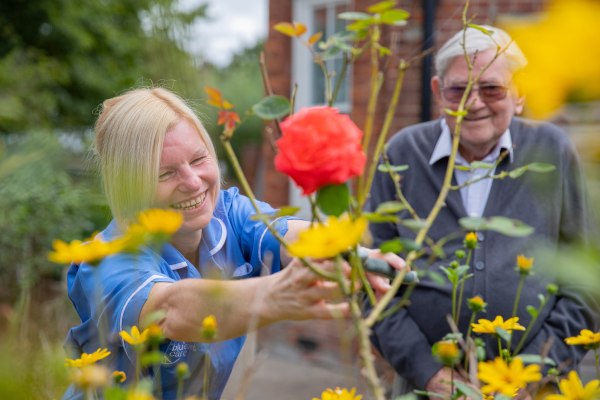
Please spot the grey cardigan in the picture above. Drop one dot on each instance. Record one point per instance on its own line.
(553, 203)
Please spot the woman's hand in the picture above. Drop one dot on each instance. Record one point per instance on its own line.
(296, 293)
(379, 283)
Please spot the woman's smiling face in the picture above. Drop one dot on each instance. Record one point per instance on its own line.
(188, 177)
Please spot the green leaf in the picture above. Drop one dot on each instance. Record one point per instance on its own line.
(541, 298)
(480, 28)
(286, 211)
(480, 164)
(509, 227)
(382, 6)
(392, 168)
(469, 392)
(473, 223)
(532, 311)
(390, 207)
(503, 334)
(378, 218)
(541, 167)
(536, 359)
(462, 270)
(409, 396)
(334, 199)
(395, 17)
(354, 15)
(414, 224)
(360, 25)
(462, 167)
(515, 173)
(437, 278)
(151, 358)
(391, 246)
(272, 107)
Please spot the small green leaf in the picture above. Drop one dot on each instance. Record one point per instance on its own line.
(437, 278)
(515, 173)
(462, 167)
(503, 334)
(353, 16)
(272, 107)
(391, 168)
(395, 17)
(390, 207)
(541, 167)
(462, 270)
(509, 227)
(334, 199)
(480, 28)
(466, 390)
(409, 396)
(480, 164)
(151, 358)
(541, 298)
(532, 311)
(536, 359)
(360, 25)
(473, 223)
(414, 224)
(378, 218)
(391, 246)
(382, 6)
(287, 211)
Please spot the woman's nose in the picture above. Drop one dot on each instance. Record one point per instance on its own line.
(190, 180)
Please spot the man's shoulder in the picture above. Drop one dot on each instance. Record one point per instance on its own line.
(529, 130)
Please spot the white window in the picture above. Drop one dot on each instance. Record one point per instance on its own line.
(318, 16)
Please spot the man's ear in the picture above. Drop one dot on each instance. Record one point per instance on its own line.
(436, 88)
(519, 104)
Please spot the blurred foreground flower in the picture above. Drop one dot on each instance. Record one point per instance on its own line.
(571, 388)
(209, 327)
(504, 378)
(91, 252)
(90, 377)
(487, 326)
(119, 376)
(330, 239)
(153, 226)
(320, 147)
(88, 359)
(446, 352)
(339, 394)
(135, 337)
(524, 264)
(587, 338)
(476, 304)
(563, 51)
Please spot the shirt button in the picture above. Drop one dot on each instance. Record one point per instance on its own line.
(479, 265)
(481, 236)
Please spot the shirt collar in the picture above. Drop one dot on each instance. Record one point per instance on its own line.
(443, 147)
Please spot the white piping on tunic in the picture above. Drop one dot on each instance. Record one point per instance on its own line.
(262, 237)
(136, 291)
(221, 242)
(177, 266)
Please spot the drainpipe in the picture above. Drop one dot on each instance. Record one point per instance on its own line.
(429, 7)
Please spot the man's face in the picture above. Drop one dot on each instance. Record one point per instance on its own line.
(489, 111)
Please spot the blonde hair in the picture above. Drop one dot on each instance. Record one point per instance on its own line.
(130, 132)
(478, 41)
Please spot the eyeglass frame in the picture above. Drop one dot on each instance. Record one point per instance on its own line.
(481, 94)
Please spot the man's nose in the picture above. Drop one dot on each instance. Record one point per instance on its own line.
(475, 101)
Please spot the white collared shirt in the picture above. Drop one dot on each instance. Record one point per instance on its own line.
(474, 195)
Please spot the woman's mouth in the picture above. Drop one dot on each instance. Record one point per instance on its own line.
(190, 204)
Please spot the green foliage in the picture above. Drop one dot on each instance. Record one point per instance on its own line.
(59, 59)
(40, 202)
(334, 199)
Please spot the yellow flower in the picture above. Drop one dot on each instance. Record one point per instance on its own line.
(77, 251)
(447, 352)
(471, 240)
(159, 221)
(119, 376)
(507, 379)
(524, 264)
(487, 326)
(586, 338)
(476, 304)
(339, 394)
(554, 44)
(182, 370)
(137, 393)
(571, 388)
(328, 240)
(135, 337)
(88, 359)
(209, 327)
(90, 376)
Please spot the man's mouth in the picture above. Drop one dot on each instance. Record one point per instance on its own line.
(190, 204)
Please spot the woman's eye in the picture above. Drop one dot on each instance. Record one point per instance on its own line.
(165, 175)
(198, 160)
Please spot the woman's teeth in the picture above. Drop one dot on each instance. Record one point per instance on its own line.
(190, 204)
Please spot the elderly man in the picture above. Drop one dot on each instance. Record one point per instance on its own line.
(552, 203)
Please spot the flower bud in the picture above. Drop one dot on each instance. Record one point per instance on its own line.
(471, 240)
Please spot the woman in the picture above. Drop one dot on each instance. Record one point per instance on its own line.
(154, 152)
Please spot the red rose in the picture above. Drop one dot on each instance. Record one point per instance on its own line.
(319, 147)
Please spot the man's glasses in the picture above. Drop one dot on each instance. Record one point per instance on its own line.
(487, 93)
